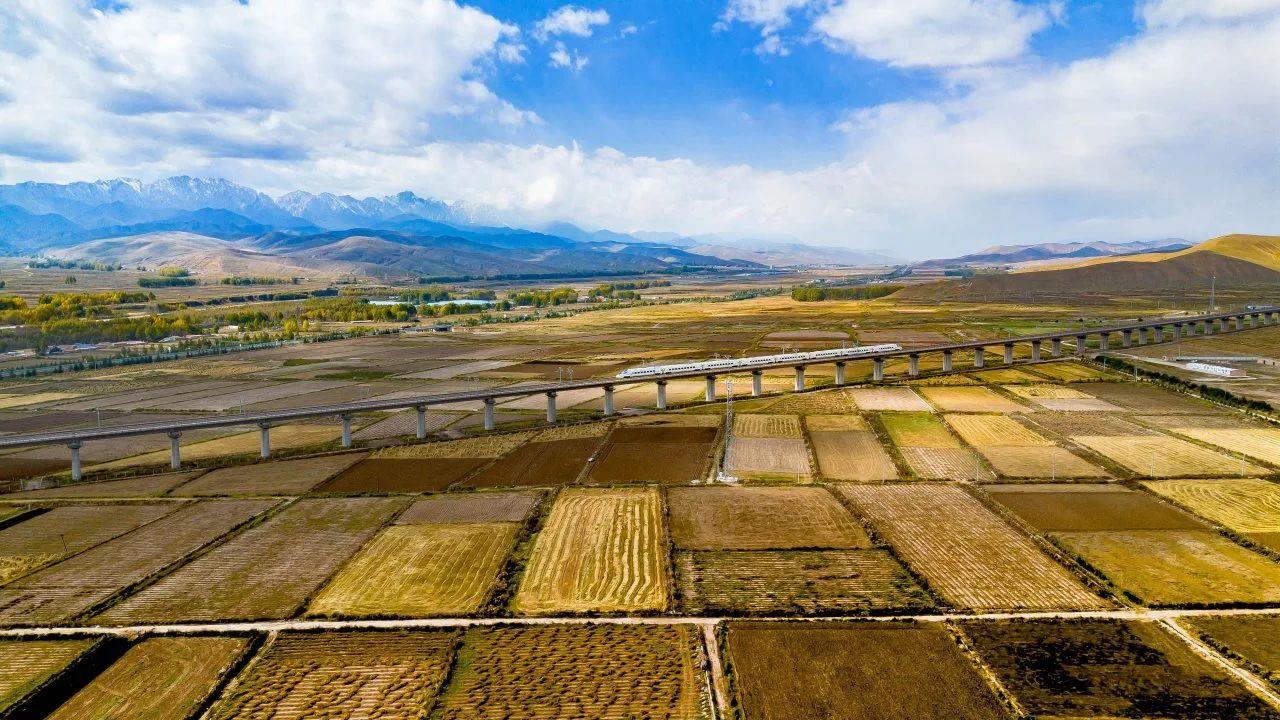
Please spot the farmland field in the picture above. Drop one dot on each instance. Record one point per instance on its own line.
(1247, 506)
(283, 436)
(1086, 423)
(157, 679)
(78, 583)
(488, 507)
(995, 431)
(921, 430)
(1039, 462)
(1158, 456)
(795, 581)
(966, 552)
(67, 530)
(747, 518)
(342, 675)
(671, 449)
(769, 458)
(1089, 507)
(538, 464)
(1147, 398)
(1258, 443)
(944, 464)
(1108, 668)
(969, 399)
(767, 426)
(1256, 639)
(403, 475)
(25, 665)
(484, 446)
(1071, 372)
(849, 454)
(285, 477)
(268, 571)
(599, 551)
(855, 671)
(145, 486)
(420, 570)
(890, 398)
(827, 402)
(589, 672)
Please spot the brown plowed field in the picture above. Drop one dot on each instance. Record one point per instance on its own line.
(1074, 507)
(538, 464)
(286, 477)
(342, 675)
(661, 434)
(1147, 398)
(966, 552)
(1256, 639)
(855, 671)
(1167, 457)
(405, 475)
(486, 507)
(771, 582)
(747, 518)
(68, 530)
(599, 551)
(76, 584)
(668, 462)
(266, 572)
(590, 672)
(852, 455)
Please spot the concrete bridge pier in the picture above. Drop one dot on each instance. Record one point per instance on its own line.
(1157, 334)
(839, 373)
(979, 359)
(1177, 331)
(76, 473)
(265, 449)
(1104, 341)
(346, 430)
(757, 383)
(799, 378)
(1057, 347)
(662, 394)
(711, 388)
(608, 399)
(1035, 351)
(175, 452)
(1126, 338)
(1253, 320)
(877, 369)
(488, 413)
(422, 421)
(913, 365)
(1080, 341)
(1141, 336)
(1008, 353)
(551, 407)
(946, 361)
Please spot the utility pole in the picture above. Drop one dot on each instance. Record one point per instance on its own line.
(1213, 290)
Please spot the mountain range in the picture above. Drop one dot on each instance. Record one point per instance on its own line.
(1039, 253)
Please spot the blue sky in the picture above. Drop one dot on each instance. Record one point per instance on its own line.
(922, 126)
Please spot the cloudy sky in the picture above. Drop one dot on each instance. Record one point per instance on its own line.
(921, 126)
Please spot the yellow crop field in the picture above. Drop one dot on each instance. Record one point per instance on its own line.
(823, 423)
(969, 399)
(1246, 505)
(1053, 392)
(1158, 456)
(995, 431)
(484, 446)
(420, 570)
(1258, 443)
(890, 398)
(767, 426)
(1068, 371)
(852, 455)
(1004, 375)
(1039, 462)
(580, 431)
(600, 551)
(13, 401)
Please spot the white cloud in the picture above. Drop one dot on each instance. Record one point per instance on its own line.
(934, 33)
(1172, 12)
(772, 16)
(562, 57)
(570, 20)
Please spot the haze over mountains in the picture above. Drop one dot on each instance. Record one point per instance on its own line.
(1014, 254)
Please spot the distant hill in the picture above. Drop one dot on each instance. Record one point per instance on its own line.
(1014, 254)
(1238, 260)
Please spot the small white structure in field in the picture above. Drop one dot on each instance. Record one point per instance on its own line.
(1219, 370)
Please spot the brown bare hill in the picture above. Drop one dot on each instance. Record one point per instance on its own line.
(1236, 260)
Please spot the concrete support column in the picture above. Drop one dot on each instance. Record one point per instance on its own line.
(1205, 328)
(979, 359)
(1177, 331)
(877, 369)
(1142, 336)
(488, 413)
(175, 454)
(711, 388)
(946, 361)
(662, 394)
(346, 431)
(1035, 351)
(913, 365)
(799, 378)
(551, 407)
(839, 373)
(265, 450)
(76, 474)
(608, 400)
(757, 383)
(1057, 347)
(1253, 320)
(1080, 340)
(422, 421)
(1008, 353)
(1104, 341)
(1159, 333)
(1126, 337)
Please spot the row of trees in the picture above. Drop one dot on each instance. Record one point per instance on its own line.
(861, 292)
(543, 298)
(65, 306)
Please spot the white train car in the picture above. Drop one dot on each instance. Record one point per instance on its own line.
(747, 363)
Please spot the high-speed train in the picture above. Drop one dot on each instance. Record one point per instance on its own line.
(747, 363)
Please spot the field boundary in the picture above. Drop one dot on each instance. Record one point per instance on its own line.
(1255, 684)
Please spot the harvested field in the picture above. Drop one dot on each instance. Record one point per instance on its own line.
(146, 486)
(890, 398)
(487, 507)
(1258, 443)
(682, 420)
(852, 455)
(1108, 668)
(564, 399)
(1047, 392)
(1077, 423)
(589, 672)
(484, 446)
(1148, 398)
(767, 426)
(1039, 462)
(1158, 456)
(820, 423)
(420, 571)
(599, 551)
(342, 675)
(1050, 508)
(402, 475)
(769, 458)
(1080, 405)
(1071, 372)
(920, 430)
(1246, 506)
(266, 572)
(12, 401)
(969, 399)
(1256, 639)
(826, 402)
(965, 551)
(758, 518)
(26, 665)
(1179, 567)
(249, 443)
(581, 431)
(1005, 375)
(67, 530)
(405, 423)
(984, 431)
(285, 477)
(539, 464)
(79, 583)
(157, 679)
(855, 671)
(14, 468)
(944, 464)
(808, 582)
